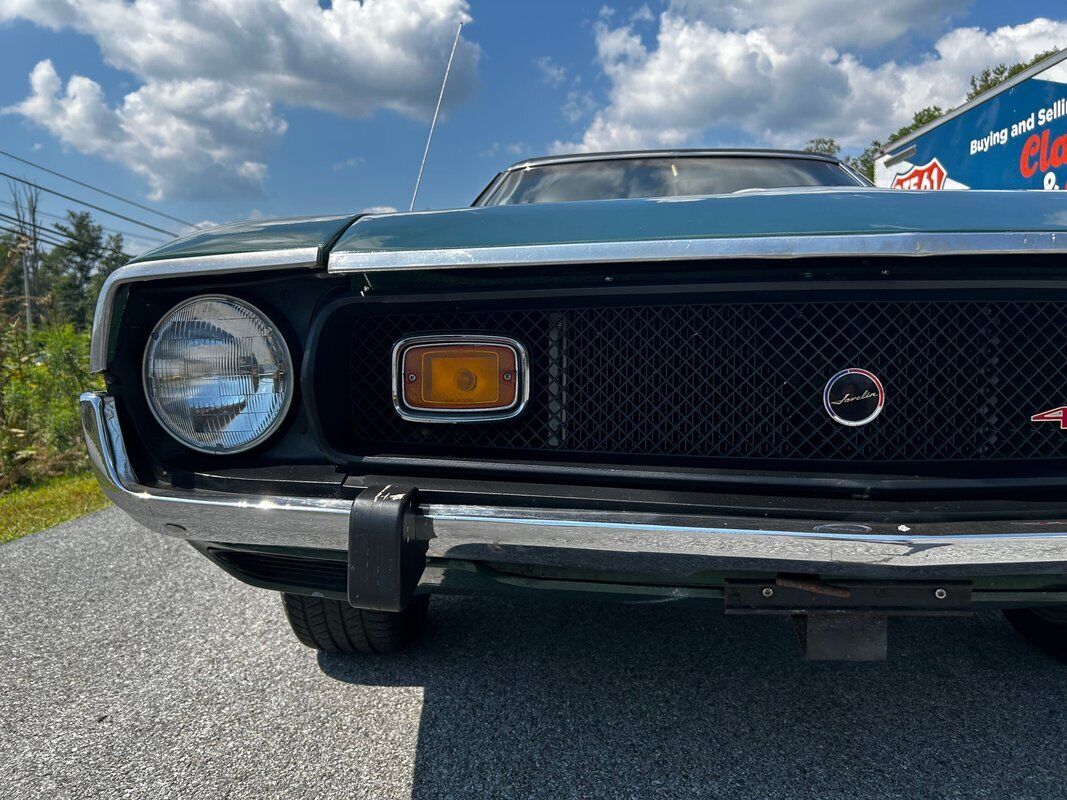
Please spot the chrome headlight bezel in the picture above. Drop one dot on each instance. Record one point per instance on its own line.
(287, 363)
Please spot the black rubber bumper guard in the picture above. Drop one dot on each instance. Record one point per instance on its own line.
(385, 561)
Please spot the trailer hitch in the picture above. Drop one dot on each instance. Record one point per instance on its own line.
(845, 620)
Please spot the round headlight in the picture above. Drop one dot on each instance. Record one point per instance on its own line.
(217, 374)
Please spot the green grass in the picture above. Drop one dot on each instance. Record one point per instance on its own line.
(34, 508)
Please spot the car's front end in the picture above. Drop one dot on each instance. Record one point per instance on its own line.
(822, 403)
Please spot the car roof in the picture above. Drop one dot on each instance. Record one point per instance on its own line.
(619, 155)
(572, 158)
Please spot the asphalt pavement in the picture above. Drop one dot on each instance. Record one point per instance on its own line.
(131, 667)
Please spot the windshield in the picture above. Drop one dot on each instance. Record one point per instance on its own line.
(662, 177)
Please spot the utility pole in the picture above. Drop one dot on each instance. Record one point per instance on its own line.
(26, 290)
(25, 203)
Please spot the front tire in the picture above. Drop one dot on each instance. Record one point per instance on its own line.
(333, 626)
(1045, 628)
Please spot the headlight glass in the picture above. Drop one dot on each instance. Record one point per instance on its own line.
(218, 374)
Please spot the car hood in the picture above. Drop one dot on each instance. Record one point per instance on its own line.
(758, 213)
(794, 212)
(254, 237)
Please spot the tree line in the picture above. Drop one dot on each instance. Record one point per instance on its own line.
(982, 82)
(50, 274)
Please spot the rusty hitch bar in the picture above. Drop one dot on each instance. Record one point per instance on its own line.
(845, 620)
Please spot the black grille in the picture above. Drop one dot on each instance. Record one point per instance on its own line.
(744, 380)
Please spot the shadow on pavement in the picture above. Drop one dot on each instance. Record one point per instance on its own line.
(598, 699)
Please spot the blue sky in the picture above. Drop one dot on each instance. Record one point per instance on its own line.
(304, 134)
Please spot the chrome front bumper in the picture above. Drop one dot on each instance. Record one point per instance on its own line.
(675, 546)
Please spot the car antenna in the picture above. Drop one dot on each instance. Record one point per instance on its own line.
(433, 123)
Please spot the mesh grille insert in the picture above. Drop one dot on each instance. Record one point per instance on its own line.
(744, 380)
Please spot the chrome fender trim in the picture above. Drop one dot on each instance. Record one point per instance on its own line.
(203, 515)
(99, 347)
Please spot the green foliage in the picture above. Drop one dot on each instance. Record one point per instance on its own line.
(40, 380)
(10, 272)
(72, 274)
(824, 145)
(921, 117)
(864, 162)
(42, 375)
(47, 503)
(990, 77)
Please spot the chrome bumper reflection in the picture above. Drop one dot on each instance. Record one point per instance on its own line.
(202, 515)
(645, 543)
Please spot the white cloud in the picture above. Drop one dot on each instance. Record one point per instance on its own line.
(838, 23)
(717, 69)
(378, 210)
(495, 149)
(551, 73)
(348, 163)
(643, 14)
(186, 138)
(578, 105)
(212, 73)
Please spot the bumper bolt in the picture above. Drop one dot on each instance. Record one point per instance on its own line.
(940, 594)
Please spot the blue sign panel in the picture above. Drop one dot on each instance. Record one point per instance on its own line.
(1015, 140)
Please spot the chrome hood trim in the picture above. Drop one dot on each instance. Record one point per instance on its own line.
(761, 247)
(294, 258)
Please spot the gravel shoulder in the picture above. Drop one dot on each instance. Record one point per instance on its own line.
(131, 667)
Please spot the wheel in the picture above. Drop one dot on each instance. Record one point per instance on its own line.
(333, 626)
(1044, 627)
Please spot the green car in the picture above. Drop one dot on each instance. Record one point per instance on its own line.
(745, 377)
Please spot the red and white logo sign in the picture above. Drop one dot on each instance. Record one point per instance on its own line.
(1053, 415)
(929, 177)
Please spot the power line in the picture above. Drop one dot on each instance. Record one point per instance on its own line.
(96, 189)
(45, 237)
(98, 254)
(139, 236)
(24, 233)
(52, 239)
(86, 204)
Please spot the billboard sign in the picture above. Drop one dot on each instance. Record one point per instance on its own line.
(1016, 139)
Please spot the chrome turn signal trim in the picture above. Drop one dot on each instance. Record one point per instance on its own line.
(522, 395)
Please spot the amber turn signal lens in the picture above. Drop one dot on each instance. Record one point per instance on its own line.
(441, 377)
